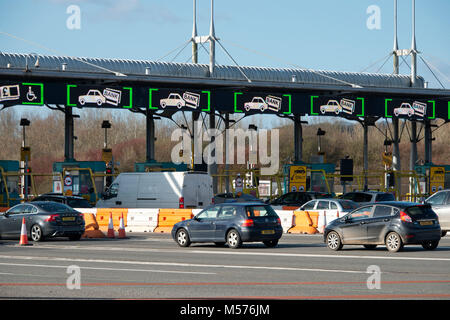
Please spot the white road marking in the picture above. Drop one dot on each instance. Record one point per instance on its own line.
(387, 255)
(171, 264)
(94, 268)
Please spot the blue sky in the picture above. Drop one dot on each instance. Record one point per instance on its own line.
(319, 34)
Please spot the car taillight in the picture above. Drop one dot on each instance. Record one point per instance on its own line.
(404, 217)
(212, 201)
(51, 218)
(279, 221)
(247, 223)
(181, 205)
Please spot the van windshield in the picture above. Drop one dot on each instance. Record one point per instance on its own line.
(260, 211)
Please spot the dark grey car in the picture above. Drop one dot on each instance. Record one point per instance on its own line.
(43, 219)
(391, 223)
(231, 223)
(366, 197)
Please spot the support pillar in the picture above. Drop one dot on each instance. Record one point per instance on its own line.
(68, 135)
(428, 142)
(227, 177)
(212, 167)
(150, 137)
(366, 155)
(396, 166)
(298, 139)
(413, 154)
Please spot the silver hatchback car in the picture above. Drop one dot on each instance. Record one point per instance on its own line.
(440, 203)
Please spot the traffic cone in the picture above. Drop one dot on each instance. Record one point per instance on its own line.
(110, 227)
(121, 229)
(23, 234)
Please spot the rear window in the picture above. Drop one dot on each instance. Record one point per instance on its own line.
(260, 211)
(78, 203)
(385, 197)
(421, 212)
(54, 207)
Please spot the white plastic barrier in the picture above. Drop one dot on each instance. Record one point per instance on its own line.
(142, 220)
(86, 210)
(325, 217)
(286, 217)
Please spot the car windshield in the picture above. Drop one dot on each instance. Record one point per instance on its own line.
(348, 205)
(54, 207)
(78, 203)
(260, 211)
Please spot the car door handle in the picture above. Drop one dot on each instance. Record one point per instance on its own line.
(386, 220)
(118, 202)
(362, 222)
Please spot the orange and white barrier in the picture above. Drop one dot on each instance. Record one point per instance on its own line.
(287, 219)
(142, 220)
(168, 217)
(305, 222)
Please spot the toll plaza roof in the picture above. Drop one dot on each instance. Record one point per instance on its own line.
(121, 83)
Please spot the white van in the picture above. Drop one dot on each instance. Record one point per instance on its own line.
(159, 190)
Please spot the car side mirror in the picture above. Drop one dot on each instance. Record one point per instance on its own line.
(5, 214)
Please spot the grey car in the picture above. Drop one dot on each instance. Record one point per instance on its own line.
(440, 202)
(366, 197)
(43, 219)
(391, 223)
(341, 206)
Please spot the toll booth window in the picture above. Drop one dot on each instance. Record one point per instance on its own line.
(12, 183)
(85, 182)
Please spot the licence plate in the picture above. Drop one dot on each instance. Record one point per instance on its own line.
(68, 219)
(426, 223)
(268, 232)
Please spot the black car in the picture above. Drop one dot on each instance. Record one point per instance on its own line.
(231, 223)
(298, 198)
(71, 201)
(391, 223)
(232, 197)
(43, 219)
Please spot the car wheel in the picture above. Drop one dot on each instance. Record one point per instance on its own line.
(163, 105)
(99, 102)
(370, 246)
(75, 237)
(396, 113)
(82, 102)
(179, 105)
(323, 111)
(247, 108)
(36, 233)
(334, 241)
(337, 111)
(271, 243)
(430, 245)
(183, 239)
(262, 109)
(393, 242)
(234, 239)
(219, 244)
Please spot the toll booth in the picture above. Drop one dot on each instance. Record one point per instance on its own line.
(308, 177)
(82, 178)
(159, 166)
(9, 183)
(433, 178)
